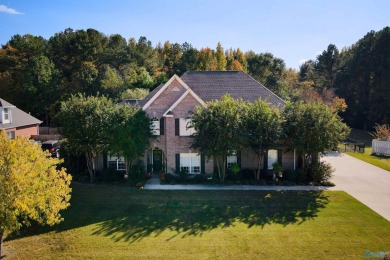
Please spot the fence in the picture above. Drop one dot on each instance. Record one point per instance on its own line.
(380, 147)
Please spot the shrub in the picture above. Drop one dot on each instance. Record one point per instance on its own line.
(137, 173)
(320, 172)
(382, 132)
(290, 175)
(301, 176)
(109, 175)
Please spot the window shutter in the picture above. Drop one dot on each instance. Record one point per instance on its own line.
(265, 161)
(280, 154)
(162, 125)
(202, 164)
(177, 163)
(177, 126)
(239, 158)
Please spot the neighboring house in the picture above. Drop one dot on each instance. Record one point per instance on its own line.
(170, 106)
(16, 122)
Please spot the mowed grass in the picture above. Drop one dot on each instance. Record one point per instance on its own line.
(116, 222)
(363, 136)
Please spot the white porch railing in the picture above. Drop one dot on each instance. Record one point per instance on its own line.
(380, 147)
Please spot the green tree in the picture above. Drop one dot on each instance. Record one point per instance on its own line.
(136, 93)
(326, 67)
(262, 127)
(311, 129)
(218, 130)
(31, 186)
(266, 69)
(206, 60)
(220, 57)
(130, 133)
(85, 122)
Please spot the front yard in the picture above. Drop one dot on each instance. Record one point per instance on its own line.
(111, 222)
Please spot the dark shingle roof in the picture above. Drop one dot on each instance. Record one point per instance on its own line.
(212, 85)
(19, 117)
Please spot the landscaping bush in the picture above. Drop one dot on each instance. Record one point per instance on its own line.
(301, 176)
(290, 175)
(109, 175)
(320, 173)
(137, 173)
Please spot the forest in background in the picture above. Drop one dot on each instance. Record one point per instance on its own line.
(36, 74)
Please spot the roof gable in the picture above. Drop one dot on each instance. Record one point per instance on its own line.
(155, 94)
(19, 117)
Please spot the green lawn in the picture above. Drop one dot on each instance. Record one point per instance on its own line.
(365, 137)
(111, 222)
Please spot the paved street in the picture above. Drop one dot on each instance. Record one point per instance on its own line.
(367, 183)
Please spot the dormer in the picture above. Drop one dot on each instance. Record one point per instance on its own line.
(5, 115)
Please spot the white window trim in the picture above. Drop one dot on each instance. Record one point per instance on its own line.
(191, 161)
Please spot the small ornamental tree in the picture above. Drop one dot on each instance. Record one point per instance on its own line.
(262, 128)
(312, 129)
(218, 130)
(31, 187)
(130, 133)
(85, 122)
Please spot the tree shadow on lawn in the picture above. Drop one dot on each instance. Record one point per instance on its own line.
(193, 217)
(125, 214)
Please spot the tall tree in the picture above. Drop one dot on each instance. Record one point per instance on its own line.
(31, 186)
(130, 134)
(220, 57)
(326, 67)
(218, 130)
(85, 122)
(262, 128)
(312, 129)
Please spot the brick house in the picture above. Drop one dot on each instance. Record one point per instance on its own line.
(171, 104)
(16, 122)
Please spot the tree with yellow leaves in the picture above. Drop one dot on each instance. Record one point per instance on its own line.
(31, 186)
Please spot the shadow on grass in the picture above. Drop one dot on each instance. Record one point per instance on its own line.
(125, 214)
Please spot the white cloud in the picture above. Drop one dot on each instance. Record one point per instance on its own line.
(8, 10)
(301, 61)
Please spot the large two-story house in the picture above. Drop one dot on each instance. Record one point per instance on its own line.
(16, 122)
(170, 106)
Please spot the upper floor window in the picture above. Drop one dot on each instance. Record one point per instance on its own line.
(5, 115)
(155, 126)
(185, 130)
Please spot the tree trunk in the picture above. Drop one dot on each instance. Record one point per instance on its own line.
(90, 165)
(1, 242)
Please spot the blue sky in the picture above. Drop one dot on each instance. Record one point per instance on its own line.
(291, 30)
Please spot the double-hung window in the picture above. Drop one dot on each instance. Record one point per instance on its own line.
(185, 130)
(231, 159)
(116, 163)
(155, 126)
(272, 158)
(190, 162)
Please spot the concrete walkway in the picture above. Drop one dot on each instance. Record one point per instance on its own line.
(154, 184)
(365, 182)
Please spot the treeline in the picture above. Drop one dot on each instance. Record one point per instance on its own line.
(36, 74)
(360, 74)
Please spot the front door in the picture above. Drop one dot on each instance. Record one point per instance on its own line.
(157, 161)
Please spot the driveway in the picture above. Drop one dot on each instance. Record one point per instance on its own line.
(367, 183)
